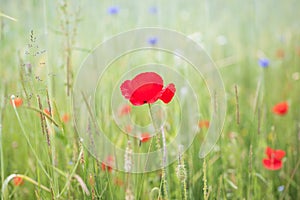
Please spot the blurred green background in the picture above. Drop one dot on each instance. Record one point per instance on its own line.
(52, 38)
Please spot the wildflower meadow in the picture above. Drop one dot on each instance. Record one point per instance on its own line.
(149, 99)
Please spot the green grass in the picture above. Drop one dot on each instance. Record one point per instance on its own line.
(66, 169)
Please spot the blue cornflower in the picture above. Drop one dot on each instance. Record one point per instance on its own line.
(153, 9)
(280, 188)
(113, 10)
(152, 40)
(263, 62)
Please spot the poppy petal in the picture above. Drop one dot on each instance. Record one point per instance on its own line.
(279, 154)
(272, 164)
(145, 137)
(269, 152)
(146, 78)
(126, 89)
(124, 110)
(17, 101)
(147, 93)
(145, 88)
(108, 163)
(18, 181)
(203, 124)
(168, 93)
(281, 108)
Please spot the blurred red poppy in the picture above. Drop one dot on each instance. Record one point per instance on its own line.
(46, 111)
(147, 88)
(124, 110)
(118, 182)
(18, 181)
(280, 53)
(203, 124)
(65, 118)
(108, 164)
(281, 108)
(145, 137)
(17, 101)
(128, 128)
(273, 162)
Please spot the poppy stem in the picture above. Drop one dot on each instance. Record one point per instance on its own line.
(237, 105)
(2, 107)
(164, 150)
(147, 159)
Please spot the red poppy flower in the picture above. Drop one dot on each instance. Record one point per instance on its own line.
(17, 101)
(280, 53)
(107, 164)
(145, 137)
(147, 88)
(272, 153)
(118, 182)
(128, 128)
(18, 181)
(273, 162)
(281, 108)
(203, 124)
(65, 118)
(46, 111)
(125, 110)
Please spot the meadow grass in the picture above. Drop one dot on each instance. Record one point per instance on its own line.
(42, 46)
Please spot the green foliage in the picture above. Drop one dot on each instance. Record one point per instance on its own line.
(33, 60)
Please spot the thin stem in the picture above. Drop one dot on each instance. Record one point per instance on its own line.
(205, 194)
(258, 120)
(164, 157)
(71, 175)
(164, 161)
(290, 180)
(8, 17)
(1, 150)
(28, 141)
(237, 105)
(181, 172)
(1, 158)
(76, 177)
(164, 146)
(10, 177)
(150, 145)
(44, 114)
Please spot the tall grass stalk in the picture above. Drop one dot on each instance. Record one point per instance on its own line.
(27, 139)
(77, 178)
(69, 29)
(163, 183)
(7, 16)
(70, 176)
(237, 104)
(205, 188)
(250, 173)
(12, 176)
(286, 188)
(51, 131)
(181, 172)
(2, 106)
